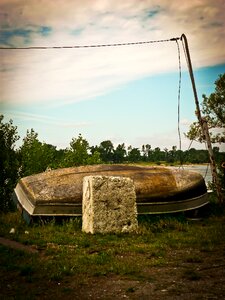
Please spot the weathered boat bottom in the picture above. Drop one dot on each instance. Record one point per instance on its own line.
(158, 190)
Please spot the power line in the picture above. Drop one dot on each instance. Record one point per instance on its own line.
(90, 46)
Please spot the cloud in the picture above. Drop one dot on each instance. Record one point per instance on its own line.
(45, 119)
(64, 76)
(74, 75)
(11, 37)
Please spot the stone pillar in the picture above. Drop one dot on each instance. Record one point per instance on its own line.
(109, 205)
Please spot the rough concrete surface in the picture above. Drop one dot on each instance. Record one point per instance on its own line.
(109, 204)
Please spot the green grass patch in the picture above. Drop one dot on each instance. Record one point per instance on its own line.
(64, 250)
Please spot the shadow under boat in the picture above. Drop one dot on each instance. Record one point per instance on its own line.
(158, 190)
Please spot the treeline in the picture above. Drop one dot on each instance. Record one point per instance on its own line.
(35, 156)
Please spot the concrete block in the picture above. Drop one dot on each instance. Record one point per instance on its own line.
(109, 205)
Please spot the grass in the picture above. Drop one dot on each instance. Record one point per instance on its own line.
(65, 251)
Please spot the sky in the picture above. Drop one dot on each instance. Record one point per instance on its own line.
(126, 94)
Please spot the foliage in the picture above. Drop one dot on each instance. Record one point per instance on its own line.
(36, 156)
(213, 110)
(9, 162)
(146, 152)
(134, 154)
(119, 154)
(94, 159)
(77, 154)
(106, 151)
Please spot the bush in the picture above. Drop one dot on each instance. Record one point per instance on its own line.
(9, 163)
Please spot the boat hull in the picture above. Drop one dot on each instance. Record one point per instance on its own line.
(158, 189)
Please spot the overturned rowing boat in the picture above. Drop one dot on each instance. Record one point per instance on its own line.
(158, 189)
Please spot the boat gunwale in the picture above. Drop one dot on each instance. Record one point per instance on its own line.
(156, 207)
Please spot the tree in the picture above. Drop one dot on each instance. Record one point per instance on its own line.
(213, 109)
(77, 154)
(134, 154)
(9, 163)
(172, 154)
(94, 159)
(119, 153)
(106, 149)
(158, 155)
(36, 156)
(146, 152)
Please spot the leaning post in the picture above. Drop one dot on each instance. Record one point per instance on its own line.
(203, 123)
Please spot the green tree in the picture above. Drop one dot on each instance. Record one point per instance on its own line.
(158, 155)
(146, 152)
(36, 156)
(77, 154)
(106, 149)
(172, 154)
(119, 154)
(213, 110)
(59, 158)
(134, 154)
(9, 163)
(94, 159)
(149, 151)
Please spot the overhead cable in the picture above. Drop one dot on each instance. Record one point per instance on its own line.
(89, 46)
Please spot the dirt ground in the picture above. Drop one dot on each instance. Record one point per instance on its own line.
(202, 277)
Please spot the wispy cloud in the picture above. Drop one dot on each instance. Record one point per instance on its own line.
(45, 119)
(65, 76)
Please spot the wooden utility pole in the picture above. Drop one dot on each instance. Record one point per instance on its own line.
(203, 123)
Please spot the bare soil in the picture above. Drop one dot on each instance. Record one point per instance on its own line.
(202, 277)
